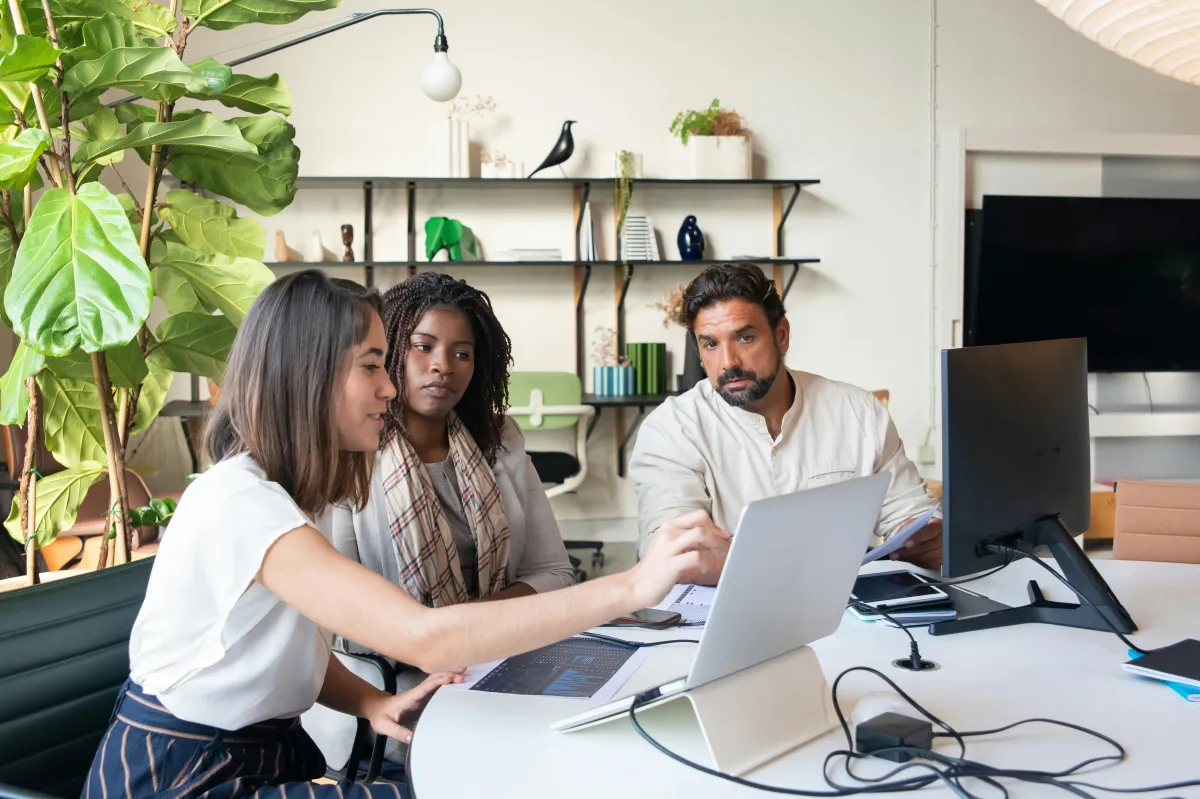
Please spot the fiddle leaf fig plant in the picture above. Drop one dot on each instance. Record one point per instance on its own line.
(80, 263)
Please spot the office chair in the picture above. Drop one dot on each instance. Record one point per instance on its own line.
(64, 655)
(545, 401)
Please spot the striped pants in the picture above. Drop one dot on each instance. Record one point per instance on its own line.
(147, 752)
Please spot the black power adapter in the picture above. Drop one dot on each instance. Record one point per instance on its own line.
(892, 731)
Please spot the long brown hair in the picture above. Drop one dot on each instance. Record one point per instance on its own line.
(281, 387)
(483, 404)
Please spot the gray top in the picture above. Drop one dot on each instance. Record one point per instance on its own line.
(445, 485)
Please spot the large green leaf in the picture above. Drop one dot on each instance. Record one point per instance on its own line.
(71, 415)
(152, 397)
(28, 59)
(265, 185)
(18, 158)
(79, 281)
(193, 343)
(258, 95)
(153, 72)
(203, 131)
(227, 283)
(126, 366)
(225, 14)
(98, 129)
(216, 74)
(109, 32)
(211, 226)
(151, 19)
(58, 499)
(14, 398)
(177, 293)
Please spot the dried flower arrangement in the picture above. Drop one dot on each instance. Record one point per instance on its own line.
(496, 159)
(672, 306)
(465, 107)
(604, 351)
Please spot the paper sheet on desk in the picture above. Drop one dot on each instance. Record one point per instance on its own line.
(898, 540)
(689, 601)
(575, 668)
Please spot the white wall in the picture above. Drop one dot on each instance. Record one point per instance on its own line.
(838, 90)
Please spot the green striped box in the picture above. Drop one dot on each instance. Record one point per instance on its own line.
(649, 360)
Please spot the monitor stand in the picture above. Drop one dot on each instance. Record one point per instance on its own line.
(1079, 571)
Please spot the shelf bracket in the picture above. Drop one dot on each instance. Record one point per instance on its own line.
(595, 420)
(621, 307)
(412, 227)
(633, 428)
(368, 235)
(586, 190)
(783, 221)
(791, 279)
(580, 334)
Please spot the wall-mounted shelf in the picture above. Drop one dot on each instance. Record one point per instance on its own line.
(583, 268)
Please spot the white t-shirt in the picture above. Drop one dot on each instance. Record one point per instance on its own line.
(215, 646)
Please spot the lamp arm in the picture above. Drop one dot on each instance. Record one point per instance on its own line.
(439, 43)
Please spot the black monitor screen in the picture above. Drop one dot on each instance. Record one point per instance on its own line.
(1122, 273)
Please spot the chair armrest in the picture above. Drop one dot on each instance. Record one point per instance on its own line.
(364, 727)
(535, 412)
(13, 792)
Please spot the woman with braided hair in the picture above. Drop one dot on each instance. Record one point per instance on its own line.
(456, 512)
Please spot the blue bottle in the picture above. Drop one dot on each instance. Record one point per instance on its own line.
(690, 241)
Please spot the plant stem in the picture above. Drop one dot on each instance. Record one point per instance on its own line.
(27, 493)
(151, 188)
(116, 465)
(9, 222)
(123, 415)
(28, 209)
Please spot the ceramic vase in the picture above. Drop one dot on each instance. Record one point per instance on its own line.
(720, 157)
(690, 240)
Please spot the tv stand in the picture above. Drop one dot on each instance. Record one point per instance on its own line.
(1050, 532)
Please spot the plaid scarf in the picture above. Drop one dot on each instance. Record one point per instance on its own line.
(424, 546)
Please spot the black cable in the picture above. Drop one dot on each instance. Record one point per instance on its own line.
(1149, 398)
(1108, 622)
(637, 644)
(915, 661)
(951, 771)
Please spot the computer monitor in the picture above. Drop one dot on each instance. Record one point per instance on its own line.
(1016, 461)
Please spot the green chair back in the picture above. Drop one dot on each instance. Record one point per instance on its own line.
(557, 388)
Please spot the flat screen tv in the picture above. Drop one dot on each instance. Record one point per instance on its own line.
(1122, 272)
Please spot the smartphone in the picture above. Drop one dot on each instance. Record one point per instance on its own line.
(651, 618)
(895, 590)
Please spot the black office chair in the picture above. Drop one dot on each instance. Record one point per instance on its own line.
(64, 655)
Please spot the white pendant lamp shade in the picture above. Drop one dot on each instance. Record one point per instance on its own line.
(1163, 35)
(441, 80)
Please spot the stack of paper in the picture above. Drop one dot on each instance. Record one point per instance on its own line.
(530, 254)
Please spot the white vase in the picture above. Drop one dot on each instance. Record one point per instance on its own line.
(460, 149)
(720, 157)
(316, 248)
(635, 165)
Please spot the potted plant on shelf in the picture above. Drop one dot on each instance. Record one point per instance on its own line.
(80, 265)
(717, 141)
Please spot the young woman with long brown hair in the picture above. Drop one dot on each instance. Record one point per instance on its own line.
(232, 643)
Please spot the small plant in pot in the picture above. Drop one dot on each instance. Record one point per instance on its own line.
(717, 140)
(156, 514)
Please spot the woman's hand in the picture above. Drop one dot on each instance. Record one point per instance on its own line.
(676, 550)
(386, 712)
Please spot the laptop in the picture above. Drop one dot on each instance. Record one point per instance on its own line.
(791, 567)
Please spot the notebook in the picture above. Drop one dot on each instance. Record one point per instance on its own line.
(1178, 665)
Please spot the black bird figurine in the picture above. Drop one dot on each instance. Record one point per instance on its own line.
(563, 149)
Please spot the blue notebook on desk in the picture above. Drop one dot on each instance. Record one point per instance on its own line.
(1188, 692)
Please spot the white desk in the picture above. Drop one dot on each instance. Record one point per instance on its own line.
(476, 744)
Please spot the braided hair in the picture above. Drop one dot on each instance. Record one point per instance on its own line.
(485, 401)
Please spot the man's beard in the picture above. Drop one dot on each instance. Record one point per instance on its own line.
(742, 397)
